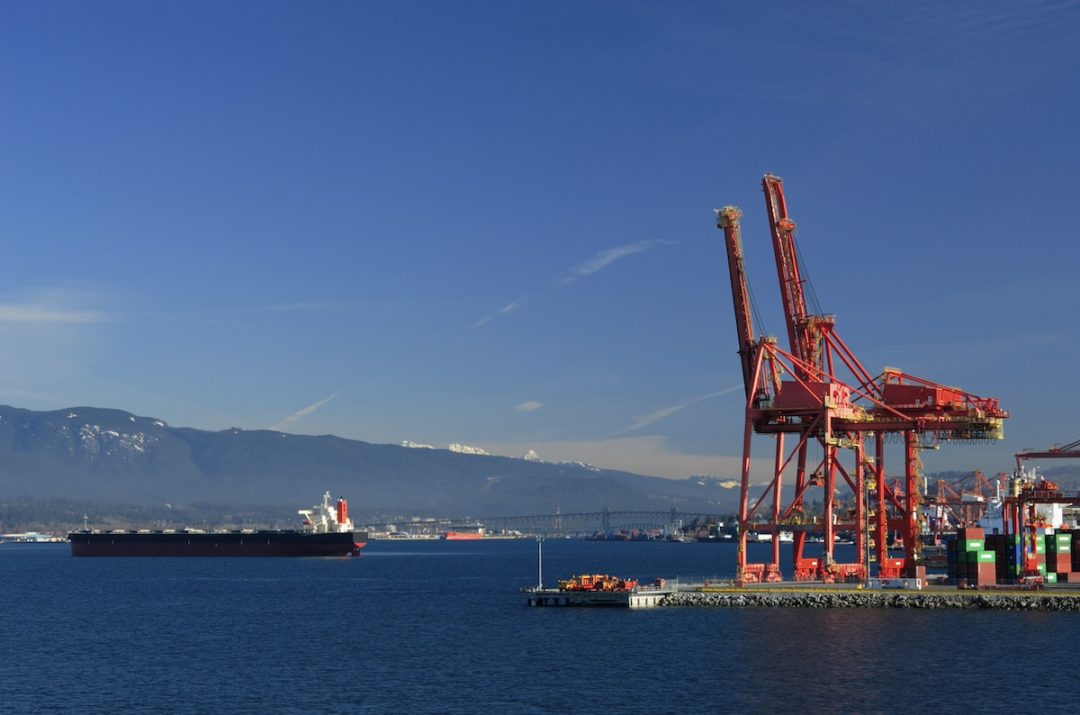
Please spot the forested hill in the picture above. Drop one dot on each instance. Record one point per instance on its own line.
(105, 455)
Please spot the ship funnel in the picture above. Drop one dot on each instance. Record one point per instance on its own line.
(342, 511)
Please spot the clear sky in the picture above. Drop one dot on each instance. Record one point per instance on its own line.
(492, 222)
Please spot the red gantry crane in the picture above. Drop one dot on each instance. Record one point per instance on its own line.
(1065, 451)
(1028, 491)
(817, 392)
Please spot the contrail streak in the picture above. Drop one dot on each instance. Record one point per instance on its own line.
(303, 413)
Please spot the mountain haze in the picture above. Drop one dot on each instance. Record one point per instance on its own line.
(97, 454)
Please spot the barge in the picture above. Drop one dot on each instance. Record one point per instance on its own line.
(600, 590)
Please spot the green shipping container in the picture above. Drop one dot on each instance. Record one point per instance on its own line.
(1053, 546)
(986, 557)
(1051, 578)
(1042, 570)
(1040, 546)
(973, 545)
(1063, 539)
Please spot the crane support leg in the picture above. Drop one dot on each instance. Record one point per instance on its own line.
(911, 502)
(774, 569)
(860, 507)
(741, 573)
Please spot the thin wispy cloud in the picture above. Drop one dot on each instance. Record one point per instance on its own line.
(46, 314)
(602, 260)
(582, 270)
(530, 406)
(665, 412)
(299, 414)
(53, 305)
(505, 310)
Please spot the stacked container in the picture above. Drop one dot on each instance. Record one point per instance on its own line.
(1076, 552)
(969, 559)
(1039, 556)
(1008, 550)
(985, 559)
(1058, 556)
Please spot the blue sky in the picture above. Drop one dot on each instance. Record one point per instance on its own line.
(492, 223)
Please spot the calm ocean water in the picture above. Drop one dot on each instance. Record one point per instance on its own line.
(437, 627)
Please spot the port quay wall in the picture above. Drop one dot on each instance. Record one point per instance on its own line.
(1027, 601)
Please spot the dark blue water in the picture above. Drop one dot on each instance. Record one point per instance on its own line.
(438, 627)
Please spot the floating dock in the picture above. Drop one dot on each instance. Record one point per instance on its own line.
(641, 597)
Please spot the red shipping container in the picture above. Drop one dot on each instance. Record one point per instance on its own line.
(987, 574)
(971, 532)
(1059, 563)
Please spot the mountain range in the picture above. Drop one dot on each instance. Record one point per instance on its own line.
(105, 455)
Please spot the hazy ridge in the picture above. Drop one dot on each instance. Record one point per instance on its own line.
(95, 455)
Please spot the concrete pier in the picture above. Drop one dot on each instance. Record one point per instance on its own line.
(1046, 600)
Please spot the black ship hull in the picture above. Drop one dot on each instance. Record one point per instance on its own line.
(215, 543)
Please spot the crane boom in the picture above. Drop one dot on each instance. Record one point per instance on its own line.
(728, 219)
(782, 229)
(1067, 451)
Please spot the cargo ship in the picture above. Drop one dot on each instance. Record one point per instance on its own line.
(463, 535)
(327, 531)
(465, 531)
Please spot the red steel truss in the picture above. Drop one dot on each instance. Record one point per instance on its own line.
(820, 394)
(1065, 451)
